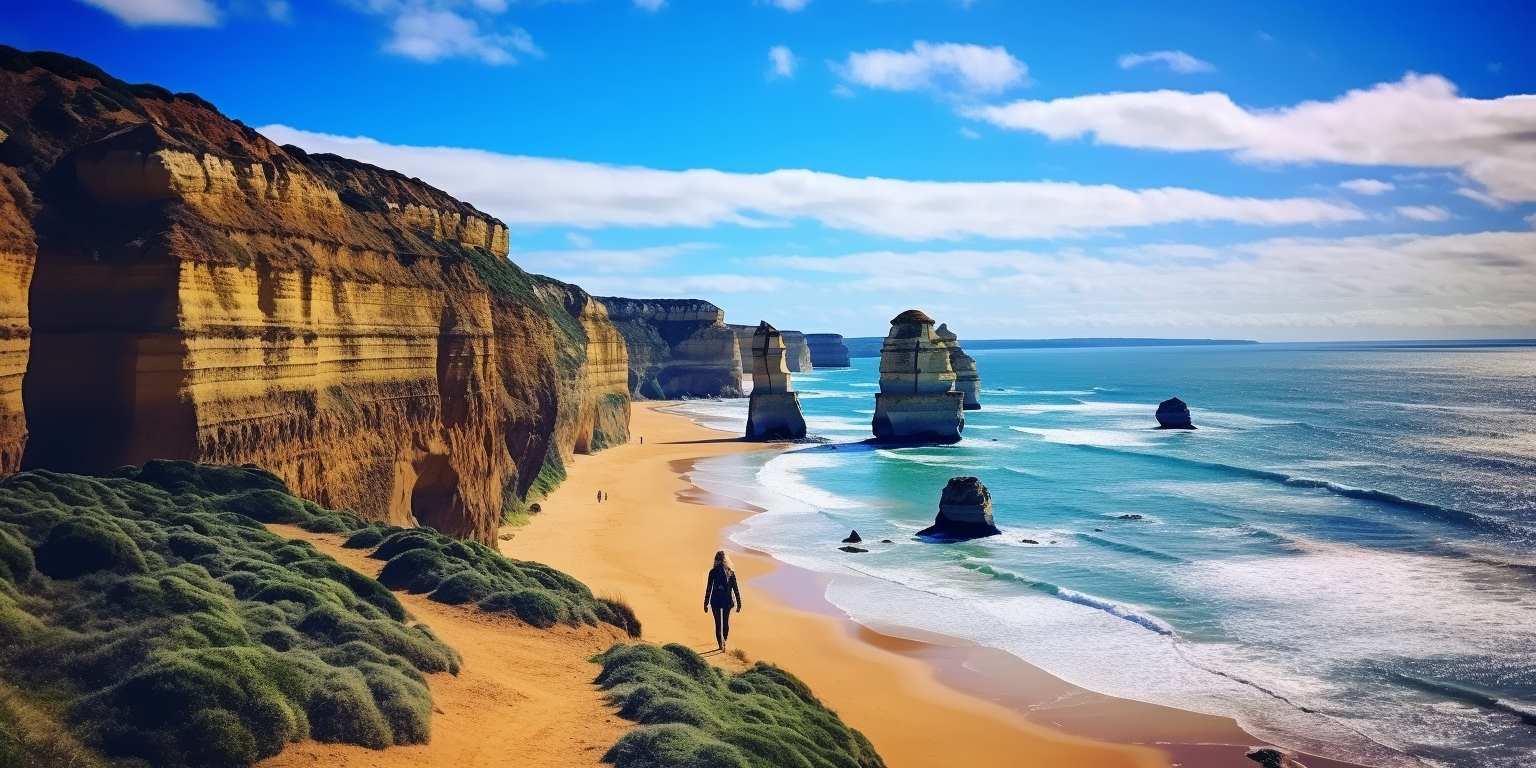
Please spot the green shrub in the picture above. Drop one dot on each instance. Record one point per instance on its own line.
(165, 626)
(615, 611)
(367, 538)
(695, 715)
(538, 607)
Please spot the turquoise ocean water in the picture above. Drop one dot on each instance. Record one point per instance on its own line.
(1343, 556)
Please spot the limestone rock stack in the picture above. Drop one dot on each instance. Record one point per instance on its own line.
(827, 350)
(774, 410)
(177, 286)
(678, 348)
(965, 512)
(917, 402)
(797, 354)
(967, 380)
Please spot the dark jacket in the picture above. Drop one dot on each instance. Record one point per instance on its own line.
(720, 591)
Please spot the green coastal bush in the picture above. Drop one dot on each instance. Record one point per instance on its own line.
(150, 619)
(695, 715)
(458, 572)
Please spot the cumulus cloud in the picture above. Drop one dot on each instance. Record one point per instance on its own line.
(1418, 121)
(781, 61)
(605, 261)
(1274, 288)
(524, 190)
(433, 35)
(1175, 61)
(1367, 186)
(169, 13)
(961, 67)
(1423, 212)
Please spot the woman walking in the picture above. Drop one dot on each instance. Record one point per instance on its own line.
(720, 595)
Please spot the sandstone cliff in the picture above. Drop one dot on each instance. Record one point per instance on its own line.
(678, 348)
(797, 354)
(827, 350)
(202, 293)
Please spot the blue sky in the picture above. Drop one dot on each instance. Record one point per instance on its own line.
(1272, 171)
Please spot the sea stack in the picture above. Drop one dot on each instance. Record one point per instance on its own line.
(827, 350)
(967, 380)
(917, 402)
(773, 413)
(797, 354)
(965, 512)
(1173, 413)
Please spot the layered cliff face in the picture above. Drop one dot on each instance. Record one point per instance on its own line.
(797, 352)
(18, 254)
(827, 350)
(357, 332)
(967, 380)
(917, 401)
(678, 348)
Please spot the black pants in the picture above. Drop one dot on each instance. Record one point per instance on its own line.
(722, 623)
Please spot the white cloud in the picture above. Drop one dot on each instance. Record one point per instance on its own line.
(433, 35)
(949, 66)
(524, 190)
(1367, 186)
(969, 133)
(792, 6)
(1423, 212)
(605, 260)
(650, 5)
(1277, 288)
(1176, 61)
(1480, 196)
(1417, 121)
(151, 13)
(781, 61)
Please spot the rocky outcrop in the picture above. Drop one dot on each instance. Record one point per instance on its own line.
(967, 381)
(1270, 757)
(965, 512)
(678, 348)
(917, 401)
(201, 293)
(827, 350)
(1173, 413)
(774, 410)
(797, 352)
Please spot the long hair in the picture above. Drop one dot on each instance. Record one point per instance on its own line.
(722, 561)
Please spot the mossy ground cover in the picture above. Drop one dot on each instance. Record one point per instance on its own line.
(153, 619)
(459, 572)
(693, 715)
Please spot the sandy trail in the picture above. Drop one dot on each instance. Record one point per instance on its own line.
(523, 697)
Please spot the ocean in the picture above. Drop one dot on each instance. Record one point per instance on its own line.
(1342, 556)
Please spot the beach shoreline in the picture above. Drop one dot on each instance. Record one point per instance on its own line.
(650, 542)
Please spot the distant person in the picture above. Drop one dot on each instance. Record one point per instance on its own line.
(720, 595)
(642, 439)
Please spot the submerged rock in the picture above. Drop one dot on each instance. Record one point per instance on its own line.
(853, 538)
(1028, 541)
(773, 413)
(1270, 757)
(851, 548)
(1173, 413)
(965, 512)
(967, 380)
(1132, 516)
(917, 402)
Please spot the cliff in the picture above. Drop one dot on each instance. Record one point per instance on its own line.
(967, 380)
(359, 333)
(678, 348)
(797, 354)
(827, 350)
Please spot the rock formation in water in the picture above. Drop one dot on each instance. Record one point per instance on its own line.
(967, 380)
(1173, 413)
(678, 348)
(198, 292)
(827, 350)
(917, 402)
(797, 353)
(774, 410)
(1270, 757)
(965, 512)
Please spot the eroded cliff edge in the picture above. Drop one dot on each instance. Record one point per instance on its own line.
(678, 348)
(199, 292)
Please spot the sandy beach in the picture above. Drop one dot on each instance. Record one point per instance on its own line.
(925, 702)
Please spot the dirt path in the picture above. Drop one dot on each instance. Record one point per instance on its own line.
(524, 696)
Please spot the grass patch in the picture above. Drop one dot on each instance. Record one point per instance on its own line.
(151, 619)
(693, 714)
(460, 572)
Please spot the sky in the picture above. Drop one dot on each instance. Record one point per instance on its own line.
(1273, 171)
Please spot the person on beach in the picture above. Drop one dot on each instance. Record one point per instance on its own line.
(720, 595)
